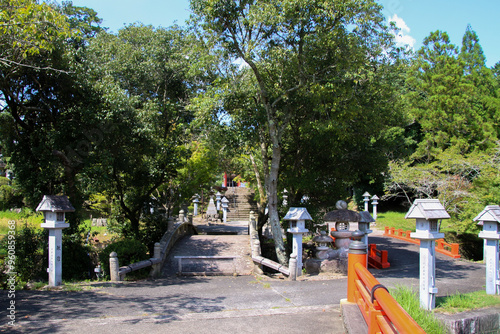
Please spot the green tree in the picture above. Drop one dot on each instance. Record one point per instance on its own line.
(443, 102)
(452, 98)
(42, 101)
(139, 76)
(293, 51)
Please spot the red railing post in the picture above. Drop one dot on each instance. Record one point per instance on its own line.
(357, 254)
(384, 303)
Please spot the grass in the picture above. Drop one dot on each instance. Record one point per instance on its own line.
(410, 303)
(394, 219)
(465, 302)
(398, 221)
(456, 303)
(32, 219)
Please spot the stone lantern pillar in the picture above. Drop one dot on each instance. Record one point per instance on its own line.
(217, 200)
(54, 209)
(297, 218)
(489, 218)
(364, 225)
(225, 206)
(428, 214)
(195, 209)
(374, 204)
(366, 199)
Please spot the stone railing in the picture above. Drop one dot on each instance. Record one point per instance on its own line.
(260, 261)
(184, 226)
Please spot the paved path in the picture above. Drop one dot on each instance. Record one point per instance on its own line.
(452, 275)
(184, 305)
(244, 304)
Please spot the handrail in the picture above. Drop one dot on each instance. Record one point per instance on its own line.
(388, 306)
(441, 246)
(377, 258)
(380, 311)
(257, 257)
(161, 251)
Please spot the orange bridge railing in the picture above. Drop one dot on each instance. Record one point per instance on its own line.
(380, 310)
(449, 249)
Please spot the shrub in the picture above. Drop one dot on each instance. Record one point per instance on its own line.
(129, 251)
(76, 259)
(9, 197)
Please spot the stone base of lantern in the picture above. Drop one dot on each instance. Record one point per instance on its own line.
(334, 266)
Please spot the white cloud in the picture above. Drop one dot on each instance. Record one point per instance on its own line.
(403, 36)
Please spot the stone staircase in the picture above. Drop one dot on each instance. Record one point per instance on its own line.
(241, 202)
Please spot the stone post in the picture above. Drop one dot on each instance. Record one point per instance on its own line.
(293, 267)
(366, 199)
(217, 199)
(114, 267)
(190, 218)
(181, 216)
(374, 204)
(225, 206)
(489, 218)
(195, 204)
(157, 255)
(255, 246)
(428, 214)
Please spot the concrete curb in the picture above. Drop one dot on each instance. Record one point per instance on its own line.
(482, 321)
(478, 321)
(353, 320)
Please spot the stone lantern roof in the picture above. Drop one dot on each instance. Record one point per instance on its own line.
(297, 214)
(491, 213)
(342, 214)
(55, 204)
(427, 209)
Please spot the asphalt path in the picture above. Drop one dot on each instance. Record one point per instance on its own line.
(244, 304)
(189, 305)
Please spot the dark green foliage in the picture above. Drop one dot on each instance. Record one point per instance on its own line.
(31, 253)
(154, 226)
(471, 246)
(10, 197)
(129, 251)
(77, 263)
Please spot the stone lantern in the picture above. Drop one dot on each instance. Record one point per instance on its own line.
(489, 218)
(54, 209)
(428, 214)
(225, 206)
(297, 218)
(366, 199)
(374, 204)
(195, 203)
(364, 225)
(323, 240)
(217, 200)
(342, 218)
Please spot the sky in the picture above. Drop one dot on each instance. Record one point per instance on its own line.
(416, 18)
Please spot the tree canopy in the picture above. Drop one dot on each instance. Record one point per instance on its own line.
(307, 97)
(308, 62)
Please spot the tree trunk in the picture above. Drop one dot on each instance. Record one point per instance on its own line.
(261, 205)
(272, 195)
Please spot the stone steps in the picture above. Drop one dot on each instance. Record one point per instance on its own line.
(241, 202)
